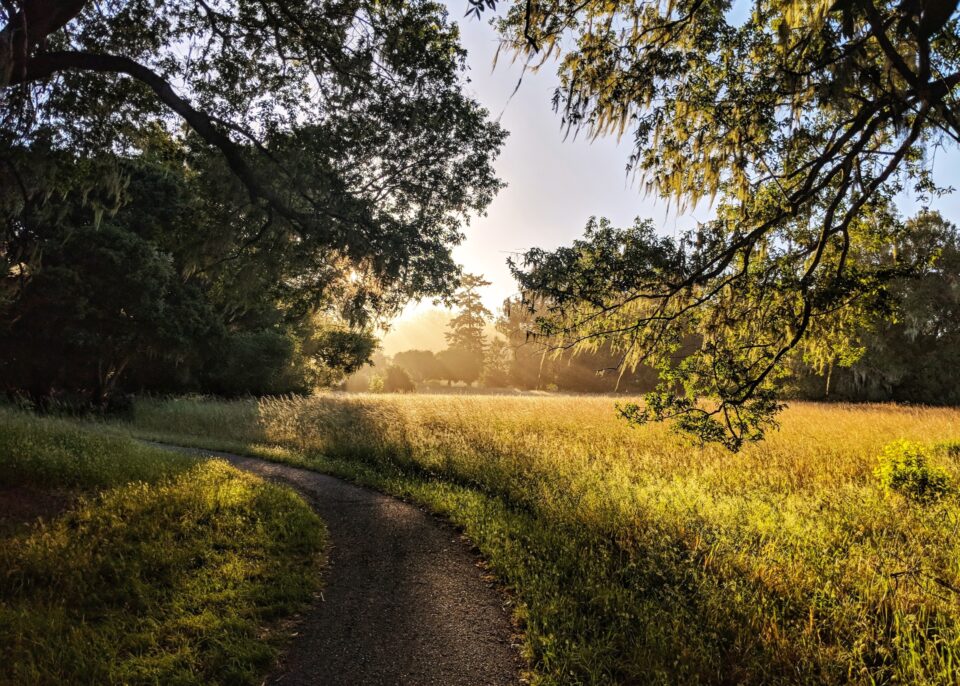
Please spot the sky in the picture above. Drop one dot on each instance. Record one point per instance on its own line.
(554, 185)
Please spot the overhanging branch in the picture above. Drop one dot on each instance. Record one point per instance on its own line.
(45, 65)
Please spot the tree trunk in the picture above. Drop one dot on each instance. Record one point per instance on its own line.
(28, 29)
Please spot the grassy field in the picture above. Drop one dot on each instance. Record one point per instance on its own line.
(637, 558)
(147, 567)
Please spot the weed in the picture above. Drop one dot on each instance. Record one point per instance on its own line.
(905, 468)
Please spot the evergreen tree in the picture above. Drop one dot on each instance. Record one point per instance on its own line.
(466, 340)
(467, 328)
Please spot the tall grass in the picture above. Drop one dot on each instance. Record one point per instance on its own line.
(639, 558)
(56, 453)
(165, 570)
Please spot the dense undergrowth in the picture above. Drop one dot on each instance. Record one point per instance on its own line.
(637, 558)
(164, 570)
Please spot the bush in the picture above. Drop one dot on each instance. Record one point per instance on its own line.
(904, 467)
(397, 380)
(257, 363)
(376, 384)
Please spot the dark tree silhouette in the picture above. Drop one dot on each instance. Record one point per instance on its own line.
(343, 123)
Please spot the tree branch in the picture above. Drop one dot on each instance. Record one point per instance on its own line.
(45, 65)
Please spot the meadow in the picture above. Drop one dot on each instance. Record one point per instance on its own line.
(144, 566)
(636, 557)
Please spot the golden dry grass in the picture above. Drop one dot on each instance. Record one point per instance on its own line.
(641, 558)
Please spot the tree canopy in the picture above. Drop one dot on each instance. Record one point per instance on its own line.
(341, 127)
(163, 294)
(804, 118)
(223, 195)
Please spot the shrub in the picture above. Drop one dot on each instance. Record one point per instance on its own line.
(905, 468)
(259, 363)
(397, 380)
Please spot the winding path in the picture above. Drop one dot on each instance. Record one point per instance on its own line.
(404, 601)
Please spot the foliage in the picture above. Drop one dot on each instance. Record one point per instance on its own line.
(377, 384)
(257, 362)
(176, 573)
(804, 117)
(460, 364)
(899, 345)
(333, 352)
(397, 380)
(102, 298)
(537, 362)
(338, 131)
(463, 359)
(912, 355)
(421, 365)
(905, 467)
(392, 379)
(361, 379)
(466, 329)
(496, 368)
(638, 559)
(165, 293)
(607, 288)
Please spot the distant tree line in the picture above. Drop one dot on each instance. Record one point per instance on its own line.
(512, 359)
(910, 351)
(905, 347)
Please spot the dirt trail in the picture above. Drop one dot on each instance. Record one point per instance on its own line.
(403, 599)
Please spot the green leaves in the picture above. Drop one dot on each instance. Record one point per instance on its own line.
(805, 119)
(340, 129)
(905, 467)
(720, 335)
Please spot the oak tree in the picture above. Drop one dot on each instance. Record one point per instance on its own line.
(805, 118)
(341, 126)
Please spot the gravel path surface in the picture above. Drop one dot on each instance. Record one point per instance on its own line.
(404, 601)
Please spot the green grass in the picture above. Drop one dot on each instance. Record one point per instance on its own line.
(166, 569)
(50, 452)
(638, 558)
